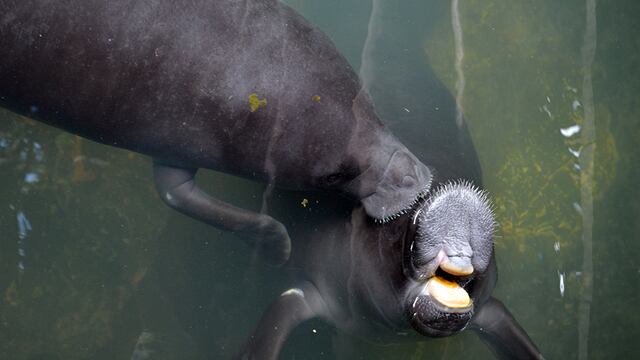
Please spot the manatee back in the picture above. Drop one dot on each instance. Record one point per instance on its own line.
(218, 84)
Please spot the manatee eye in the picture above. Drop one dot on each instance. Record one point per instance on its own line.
(347, 171)
(333, 179)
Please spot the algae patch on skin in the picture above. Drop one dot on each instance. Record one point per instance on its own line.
(316, 98)
(255, 103)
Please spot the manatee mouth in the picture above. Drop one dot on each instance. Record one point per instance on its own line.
(441, 305)
(447, 284)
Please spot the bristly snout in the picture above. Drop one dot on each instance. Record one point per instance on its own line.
(456, 223)
(453, 242)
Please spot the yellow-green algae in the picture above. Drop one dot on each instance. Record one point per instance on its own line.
(256, 103)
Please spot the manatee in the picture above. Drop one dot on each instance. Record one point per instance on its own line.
(248, 88)
(428, 274)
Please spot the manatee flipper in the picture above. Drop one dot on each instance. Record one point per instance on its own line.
(290, 309)
(177, 188)
(500, 331)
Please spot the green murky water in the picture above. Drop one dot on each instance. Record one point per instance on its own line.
(91, 262)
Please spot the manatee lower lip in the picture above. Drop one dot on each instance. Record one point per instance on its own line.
(448, 293)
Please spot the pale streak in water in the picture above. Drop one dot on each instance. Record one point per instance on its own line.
(586, 179)
(24, 227)
(270, 163)
(367, 72)
(457, 38)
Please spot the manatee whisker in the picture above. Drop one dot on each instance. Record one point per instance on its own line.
(403, 210)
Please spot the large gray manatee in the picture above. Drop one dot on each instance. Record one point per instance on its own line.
(244, 87)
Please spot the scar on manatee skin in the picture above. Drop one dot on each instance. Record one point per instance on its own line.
(255, 103)
(316, 98)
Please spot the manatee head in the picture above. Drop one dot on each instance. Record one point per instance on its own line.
(448, 249)
(393, 182)
(390, 180)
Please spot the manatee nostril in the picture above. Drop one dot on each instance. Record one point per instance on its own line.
(408, 181)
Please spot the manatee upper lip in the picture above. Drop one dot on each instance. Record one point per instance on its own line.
(454, 264)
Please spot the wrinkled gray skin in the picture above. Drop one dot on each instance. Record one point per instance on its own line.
(173, 80)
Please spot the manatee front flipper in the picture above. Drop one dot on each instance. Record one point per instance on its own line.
(177, 187)
(499, 330)
(290, 309)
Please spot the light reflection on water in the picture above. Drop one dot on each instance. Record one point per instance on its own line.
(90, 259)
(24, 227)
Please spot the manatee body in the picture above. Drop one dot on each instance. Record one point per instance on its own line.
(244, 87)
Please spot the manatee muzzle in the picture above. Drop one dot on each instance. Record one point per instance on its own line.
(449, 242)
(451, 230)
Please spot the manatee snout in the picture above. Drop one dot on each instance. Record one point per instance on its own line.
(454, 231)
(452, 244)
